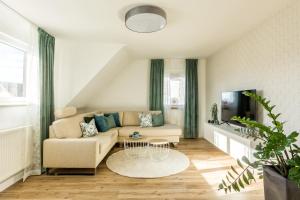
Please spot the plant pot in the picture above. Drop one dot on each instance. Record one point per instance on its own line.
(277, 187)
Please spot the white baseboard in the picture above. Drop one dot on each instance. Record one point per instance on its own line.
(17, 177)
(11, 180)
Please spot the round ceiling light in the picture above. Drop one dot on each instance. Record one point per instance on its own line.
(145, 19)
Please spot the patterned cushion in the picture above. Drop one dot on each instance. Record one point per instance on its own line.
(145, 119)
(88, 129)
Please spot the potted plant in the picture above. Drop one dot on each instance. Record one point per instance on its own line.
(214, 114)
(277, 158)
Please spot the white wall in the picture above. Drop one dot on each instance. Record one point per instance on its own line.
(266, 59)
(128, 90)
(18, 28)
(76, 63)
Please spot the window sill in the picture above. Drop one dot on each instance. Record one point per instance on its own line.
(13, 103)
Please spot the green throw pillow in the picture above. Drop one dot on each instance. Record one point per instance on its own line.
(110, 121)
(116, 117)
(158, 119)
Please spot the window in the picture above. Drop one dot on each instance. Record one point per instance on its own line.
(12, 73)
(174, 90)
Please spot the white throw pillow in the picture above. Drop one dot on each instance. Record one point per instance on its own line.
(145, 119)
(88, 129)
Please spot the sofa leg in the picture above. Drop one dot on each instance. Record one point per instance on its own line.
(175, 144)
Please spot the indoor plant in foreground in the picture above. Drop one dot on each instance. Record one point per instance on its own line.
(277, 158)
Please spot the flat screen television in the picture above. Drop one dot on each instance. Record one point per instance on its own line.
(235, 103)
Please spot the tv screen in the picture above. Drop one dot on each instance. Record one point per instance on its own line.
(235, 103)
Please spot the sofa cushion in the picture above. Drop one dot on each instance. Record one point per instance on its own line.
(131, 118)
(105, 139)
(157, 119)
(166, 130)
(101, 123)
(145, 120)
(116, 116)
(110, 121)
(88, 129)
(68, 127)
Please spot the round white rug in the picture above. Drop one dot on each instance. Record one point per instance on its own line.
(145, 167)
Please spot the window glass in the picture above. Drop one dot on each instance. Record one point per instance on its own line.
(12, 72)
(174, 90)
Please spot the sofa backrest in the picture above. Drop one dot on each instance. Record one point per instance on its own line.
(68, 127)
(131, 118)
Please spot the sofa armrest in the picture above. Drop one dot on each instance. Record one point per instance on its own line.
(70, 153)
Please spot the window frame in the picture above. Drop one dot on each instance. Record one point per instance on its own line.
(17, 44)
(168, 80)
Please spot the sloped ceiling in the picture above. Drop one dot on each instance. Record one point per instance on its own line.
(101, 79)
(77, 64)
(196, 28)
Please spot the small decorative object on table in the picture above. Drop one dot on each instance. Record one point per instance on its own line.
(135, 135)
(214, 114)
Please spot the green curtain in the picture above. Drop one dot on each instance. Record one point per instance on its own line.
(46, 61)
(156, 99)
(191, 99)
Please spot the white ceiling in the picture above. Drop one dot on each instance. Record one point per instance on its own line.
(196, 28)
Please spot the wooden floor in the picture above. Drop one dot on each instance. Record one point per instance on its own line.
(208, 166)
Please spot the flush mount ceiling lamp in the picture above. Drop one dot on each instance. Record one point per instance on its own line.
(145, 19)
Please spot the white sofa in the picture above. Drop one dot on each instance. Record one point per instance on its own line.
(67, 149)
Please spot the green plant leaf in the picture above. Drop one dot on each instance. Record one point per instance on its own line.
(246, 179)
(221, 186)
(234, 170)
(240, 164)
(224, 183)
(241, 183)
(246, 160)
(231, 175)
(250, 175)
(237, 188)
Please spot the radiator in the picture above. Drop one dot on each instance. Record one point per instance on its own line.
(12, 151)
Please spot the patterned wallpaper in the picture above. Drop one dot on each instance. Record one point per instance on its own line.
(266, 59)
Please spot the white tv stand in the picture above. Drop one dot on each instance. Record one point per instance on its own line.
(229, 140)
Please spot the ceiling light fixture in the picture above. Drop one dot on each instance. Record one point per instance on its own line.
(145, 19)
